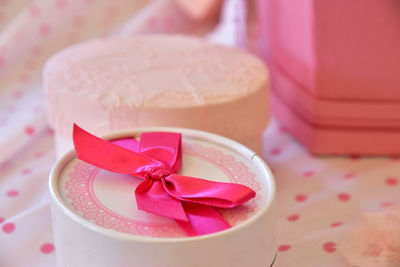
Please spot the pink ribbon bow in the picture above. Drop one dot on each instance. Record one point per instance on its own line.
(157, 158)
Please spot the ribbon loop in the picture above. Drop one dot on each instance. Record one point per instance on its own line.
(157, 157)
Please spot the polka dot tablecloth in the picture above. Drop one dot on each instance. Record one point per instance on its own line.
(319, 198)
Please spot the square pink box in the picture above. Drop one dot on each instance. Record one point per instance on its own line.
(335, 72)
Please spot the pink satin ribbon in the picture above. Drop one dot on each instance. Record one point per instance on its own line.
(157, 158)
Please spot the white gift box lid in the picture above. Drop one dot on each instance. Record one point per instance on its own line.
(102, 204)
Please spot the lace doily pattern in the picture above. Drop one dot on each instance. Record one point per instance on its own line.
(79, 190)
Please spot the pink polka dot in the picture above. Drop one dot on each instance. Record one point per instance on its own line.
(391, 181)
(336, 224)
(4, 164)
(3, 121)
(61, 3)
(39, 154)
(24, 78)
(37, 109)
(78, 21)
(283, 248)
(344, 197)
(301, 198)
(387, 204)
(29, 130)
(308, 173)
(329, 247)
(293, 217)
(8, 228)
(275, 151)
(350, 175)
(12, 193)
(34, 11)
(1, 219)
(47, 248)
(17, 94)
(50, 132)
(26, 171)
(36, 50)
(44, 30)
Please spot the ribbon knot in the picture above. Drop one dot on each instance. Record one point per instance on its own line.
(157, 173)
(157, 158)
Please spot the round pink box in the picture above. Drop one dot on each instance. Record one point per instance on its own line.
(96, 221)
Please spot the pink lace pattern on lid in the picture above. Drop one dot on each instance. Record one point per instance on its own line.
(79, 189)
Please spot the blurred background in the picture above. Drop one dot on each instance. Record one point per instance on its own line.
(335, 77)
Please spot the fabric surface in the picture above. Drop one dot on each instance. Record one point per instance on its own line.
(319, 198)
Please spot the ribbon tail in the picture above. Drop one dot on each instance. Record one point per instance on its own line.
(151, 197)
(202, 220)
(205, 192)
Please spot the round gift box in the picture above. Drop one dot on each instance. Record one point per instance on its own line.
(96, 221)
(113, 84)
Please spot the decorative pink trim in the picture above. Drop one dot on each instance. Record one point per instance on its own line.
(80, 192)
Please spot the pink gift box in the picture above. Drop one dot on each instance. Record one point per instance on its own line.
(335, 72)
